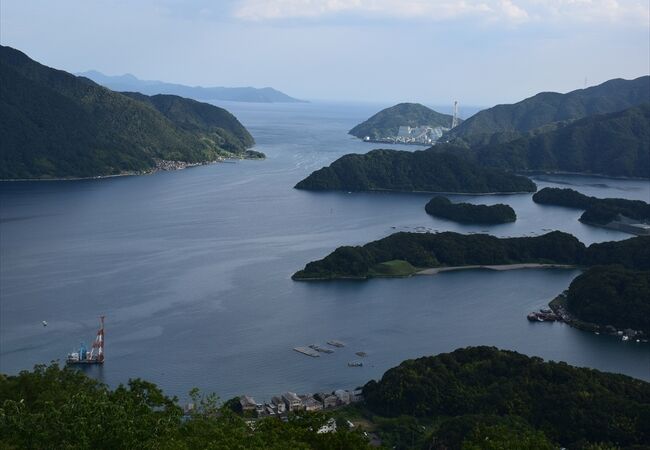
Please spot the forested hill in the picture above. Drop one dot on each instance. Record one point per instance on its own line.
(129, 82)
(613, 144)
(387, 121)
(548, 107)
(426, 171)
(54, 124)
(514, 401)
(200, 117)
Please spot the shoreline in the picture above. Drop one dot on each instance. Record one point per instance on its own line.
(496, 267)
(416, 192)
(180, 165)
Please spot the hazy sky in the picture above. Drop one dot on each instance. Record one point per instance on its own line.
(480, 52)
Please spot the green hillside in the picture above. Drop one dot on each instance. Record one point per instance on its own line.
(53, 124)
(485, 398)
(387, 121)
(615, 144)
(548, 107)
(426, 171)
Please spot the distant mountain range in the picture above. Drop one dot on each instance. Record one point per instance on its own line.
(386, 122)
(129, 82)
(56, 125)
(506, 122)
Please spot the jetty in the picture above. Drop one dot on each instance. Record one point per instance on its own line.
(307, 351)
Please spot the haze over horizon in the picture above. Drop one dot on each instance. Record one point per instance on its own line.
(479, 52)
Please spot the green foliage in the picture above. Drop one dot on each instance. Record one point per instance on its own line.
(502, 123)
(52, 407)
(387, 121)
(633, 253)
(597, 210)
(426, 171)
(613, 144)
(554, 401)
(53, 124)
(444, 249)
(395, 268)
(612, 295)
(469, 213)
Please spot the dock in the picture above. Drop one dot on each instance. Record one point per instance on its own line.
(335, 343)
(320, 349)
(307, 351)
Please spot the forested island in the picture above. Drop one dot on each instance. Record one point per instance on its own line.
(547, 110)
(403, 254)
(420, 171)
(470, 213)
(56, 125)
(452, 401)
(598, 211)
(387, 121)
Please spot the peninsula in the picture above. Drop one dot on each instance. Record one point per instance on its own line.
(405, 254)
(55, 125)
(407, 123)
(631, 216)
(419, 171)
(470, 213)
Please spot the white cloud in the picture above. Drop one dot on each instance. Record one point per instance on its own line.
(509, 11)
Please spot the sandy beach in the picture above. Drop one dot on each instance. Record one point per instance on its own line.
(435, 270)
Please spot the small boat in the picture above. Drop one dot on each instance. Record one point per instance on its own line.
(362, 354)
(625, 338)
(355, 364)
(44, 323)
(335, 343)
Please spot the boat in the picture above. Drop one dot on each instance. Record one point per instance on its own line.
(625, 338)
(44, 323)
(96, 354)
(362, 354)
(335, 343)
(355, 364)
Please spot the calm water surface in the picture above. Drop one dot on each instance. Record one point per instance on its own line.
(192, 269)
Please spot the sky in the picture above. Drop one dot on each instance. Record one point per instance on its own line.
(479, 52)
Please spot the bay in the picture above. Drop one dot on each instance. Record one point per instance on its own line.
(192, 270)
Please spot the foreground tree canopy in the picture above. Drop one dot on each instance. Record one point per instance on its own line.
(62, 408)
(482, 392)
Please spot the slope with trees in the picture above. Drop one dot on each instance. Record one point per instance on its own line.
(53, 124)
(526, 401)
(546, 108)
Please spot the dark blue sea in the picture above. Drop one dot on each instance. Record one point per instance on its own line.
(192, 270)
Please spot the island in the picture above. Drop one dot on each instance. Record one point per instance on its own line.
(128, 82)
(405, 254)
(632, 216)
(419, 171)
(55, 125)
(440, 206)
(405, 123)
(450, 401)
